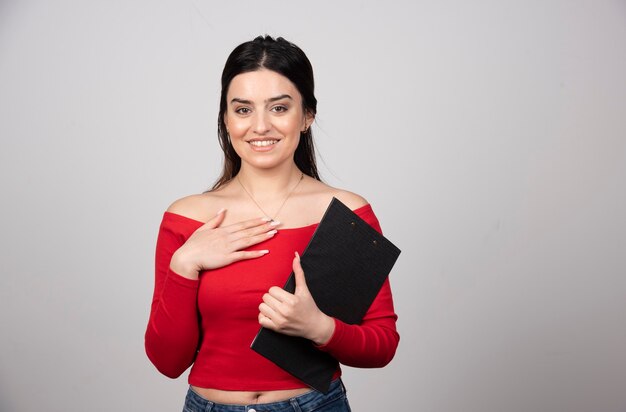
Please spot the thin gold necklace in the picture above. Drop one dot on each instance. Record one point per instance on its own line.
(273, 219)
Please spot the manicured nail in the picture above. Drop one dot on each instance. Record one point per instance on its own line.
(272, 232)
(297, 255)
(264, 252)
(266, 219)
(222, 210)
(275, 223)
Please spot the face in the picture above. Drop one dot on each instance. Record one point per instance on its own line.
(264, 118)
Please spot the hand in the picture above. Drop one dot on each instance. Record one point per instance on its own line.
(212, 246)
(295, 314)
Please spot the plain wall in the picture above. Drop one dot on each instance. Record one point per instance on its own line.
(489, 136)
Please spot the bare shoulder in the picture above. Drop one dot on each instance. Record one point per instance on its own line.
(198, 207)
(350, 199)
(312, 202)
(325, 193)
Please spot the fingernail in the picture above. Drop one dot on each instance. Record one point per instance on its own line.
(222, 210)
(274, 223)
(272, 232)
(266, 219)
(264, 252)
(297, 255)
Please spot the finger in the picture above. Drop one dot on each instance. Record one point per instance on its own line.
(272, 302)
(282, 307)
(281, 295)
(216, 220)
(266, 322)
(245, 243)
(254, 231)
(247, 224)
(247, 254)
(275, 317)
(299, 274)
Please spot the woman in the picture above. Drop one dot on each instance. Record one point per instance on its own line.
(223, 255)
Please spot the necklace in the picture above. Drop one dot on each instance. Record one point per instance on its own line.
(272, 219)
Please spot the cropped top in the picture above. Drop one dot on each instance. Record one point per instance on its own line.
(210, 322)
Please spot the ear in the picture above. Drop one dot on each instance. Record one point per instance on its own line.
(225, 118)
(309, 118)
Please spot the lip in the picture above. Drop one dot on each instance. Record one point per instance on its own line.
(262, 148)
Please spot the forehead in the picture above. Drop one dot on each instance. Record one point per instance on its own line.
(260, 85)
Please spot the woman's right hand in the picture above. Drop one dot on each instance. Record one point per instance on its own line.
(212, 246)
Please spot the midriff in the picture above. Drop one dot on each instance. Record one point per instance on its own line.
(248, 397)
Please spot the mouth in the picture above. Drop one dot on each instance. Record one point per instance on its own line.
(263, 143)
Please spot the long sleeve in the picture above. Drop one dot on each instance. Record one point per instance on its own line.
(172, 335)
(373, 342)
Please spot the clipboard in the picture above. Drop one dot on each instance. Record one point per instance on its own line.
(345, 264)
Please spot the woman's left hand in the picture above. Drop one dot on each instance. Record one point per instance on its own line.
(295, 314)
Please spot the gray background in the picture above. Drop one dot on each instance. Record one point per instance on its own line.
(489, 137)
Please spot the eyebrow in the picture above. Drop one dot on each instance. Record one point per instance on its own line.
(270, 100)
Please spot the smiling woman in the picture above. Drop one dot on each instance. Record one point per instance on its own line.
(265, 118)
(222, 255)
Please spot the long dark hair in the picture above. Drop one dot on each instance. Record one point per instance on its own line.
(284, 58)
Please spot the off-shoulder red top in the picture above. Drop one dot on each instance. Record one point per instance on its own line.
(211, 322)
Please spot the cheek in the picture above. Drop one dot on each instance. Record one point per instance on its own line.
(237, 128)
(289, 125)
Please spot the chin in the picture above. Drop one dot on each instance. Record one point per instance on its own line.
(269, 162)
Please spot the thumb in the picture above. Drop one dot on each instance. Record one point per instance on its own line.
(299, 274)
(216, 220)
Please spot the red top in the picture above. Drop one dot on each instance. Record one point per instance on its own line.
(211, 322)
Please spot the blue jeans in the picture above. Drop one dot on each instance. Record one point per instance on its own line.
(334, 401)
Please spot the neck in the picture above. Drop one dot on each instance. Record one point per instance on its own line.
(268, 183)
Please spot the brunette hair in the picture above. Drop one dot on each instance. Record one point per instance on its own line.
(287, 59)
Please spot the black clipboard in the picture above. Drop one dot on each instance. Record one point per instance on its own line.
(345, 265)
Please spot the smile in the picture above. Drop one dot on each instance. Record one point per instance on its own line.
(263, 143)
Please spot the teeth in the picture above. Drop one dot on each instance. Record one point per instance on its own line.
(261, 143)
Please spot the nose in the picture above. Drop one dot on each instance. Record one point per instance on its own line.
(261, 123)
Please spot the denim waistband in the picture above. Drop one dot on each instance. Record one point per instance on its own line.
(302, 403)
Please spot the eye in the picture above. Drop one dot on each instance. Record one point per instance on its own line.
(243, 110)
(279, 109)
